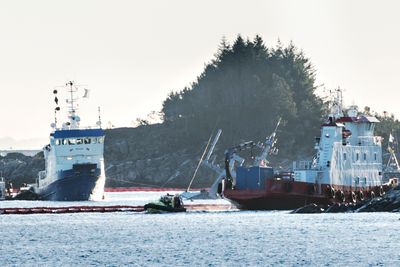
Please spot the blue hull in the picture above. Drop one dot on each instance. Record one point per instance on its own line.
(72, 185)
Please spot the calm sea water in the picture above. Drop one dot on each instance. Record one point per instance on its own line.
(233, 238)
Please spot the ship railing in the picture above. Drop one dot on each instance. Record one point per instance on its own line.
(369, 140)
(79, 128)
(303, 165)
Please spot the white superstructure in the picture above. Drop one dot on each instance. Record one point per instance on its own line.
(348, 153)
(74, 162)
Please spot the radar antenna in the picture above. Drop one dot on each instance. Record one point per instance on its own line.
(337, 103)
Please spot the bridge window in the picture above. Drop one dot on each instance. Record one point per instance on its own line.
(94, 140)
(344, 156)
(100, 140)
(79, 141)
(357, 157)
(86, 140)
(58, 142)
(375, 156)
(365, 156)
(71, 141)
(357, 180)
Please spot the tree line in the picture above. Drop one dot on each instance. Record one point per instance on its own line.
(244, 90)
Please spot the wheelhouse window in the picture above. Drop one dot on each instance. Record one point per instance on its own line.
(344, 156)
(58, 142)
(375, 156)
(365, 156)
(71, 141)
(357, 157)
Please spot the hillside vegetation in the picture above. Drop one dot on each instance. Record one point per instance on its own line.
(243, 91)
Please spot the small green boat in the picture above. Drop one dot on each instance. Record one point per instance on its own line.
(167, 203)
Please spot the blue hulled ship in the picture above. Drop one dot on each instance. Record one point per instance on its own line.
(74, 162)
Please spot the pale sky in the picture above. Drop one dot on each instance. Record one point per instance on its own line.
(131, 54)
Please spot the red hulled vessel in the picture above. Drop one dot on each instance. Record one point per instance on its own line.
(347, 168)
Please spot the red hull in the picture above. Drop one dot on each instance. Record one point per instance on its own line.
(287, 194)
(148, 189)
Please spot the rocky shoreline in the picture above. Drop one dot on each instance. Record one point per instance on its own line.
(389, 202)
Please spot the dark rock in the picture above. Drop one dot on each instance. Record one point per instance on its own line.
(335, 208)
(340, 207)
(26, 195)
(389, 202)
(311, 208)
(20, 169)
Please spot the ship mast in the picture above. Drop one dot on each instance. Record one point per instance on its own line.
(72, 110)
(269, 147)
(337, 104)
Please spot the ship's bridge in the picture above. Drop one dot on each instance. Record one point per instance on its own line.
(78, 137)
(69, 143)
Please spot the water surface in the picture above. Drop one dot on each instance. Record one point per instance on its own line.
(232, 238)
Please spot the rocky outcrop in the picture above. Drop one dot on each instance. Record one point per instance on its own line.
(19, 168)
(310, 208)
(169, 170)
(390, 202)
(151, 155)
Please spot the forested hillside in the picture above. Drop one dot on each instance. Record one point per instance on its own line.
(244, 90)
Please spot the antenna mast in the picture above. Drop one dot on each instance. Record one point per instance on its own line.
(57, 108)
(74, 119)
(337, 103)
(99, 122)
